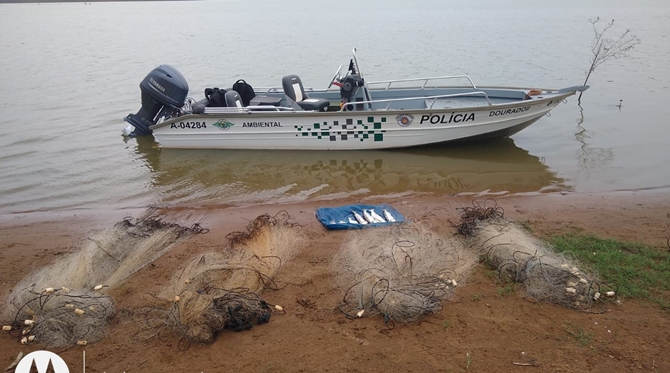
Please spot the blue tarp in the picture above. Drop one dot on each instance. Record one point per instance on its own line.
(344, 217)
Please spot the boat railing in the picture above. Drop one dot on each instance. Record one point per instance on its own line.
(258, 90)
(434, 98)
(424, 80)
(264, 90)
(246, 109)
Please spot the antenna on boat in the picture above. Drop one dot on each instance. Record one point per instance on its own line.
(353, 65)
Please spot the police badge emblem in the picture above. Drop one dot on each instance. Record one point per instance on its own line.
(404, 120)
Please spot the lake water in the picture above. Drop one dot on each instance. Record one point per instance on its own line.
(70, 73)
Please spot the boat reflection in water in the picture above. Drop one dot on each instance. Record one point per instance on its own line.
(185, 177)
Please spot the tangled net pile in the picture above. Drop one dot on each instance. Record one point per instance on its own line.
(401, 272)
(471, 216)
(219, 290)
(63, 318)
(60, 299)
(519, 257)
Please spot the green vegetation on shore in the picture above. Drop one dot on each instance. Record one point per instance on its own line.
(634, 270)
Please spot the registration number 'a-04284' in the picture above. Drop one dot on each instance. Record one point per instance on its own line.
(188, 125)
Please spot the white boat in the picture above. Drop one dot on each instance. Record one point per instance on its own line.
(351, 113)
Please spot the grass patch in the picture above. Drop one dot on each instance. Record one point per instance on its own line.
(494, 276)
(525, 224)
(634, 270)
(577, 332)
(506, 290)
(468, 361)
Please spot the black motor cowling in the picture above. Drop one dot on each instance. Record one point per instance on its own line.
(349, 85)
(164, 89)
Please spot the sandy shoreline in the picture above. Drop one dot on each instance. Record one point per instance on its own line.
(496, 331)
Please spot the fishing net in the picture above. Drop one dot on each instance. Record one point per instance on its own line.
(401, 272)
(200, 317)
(218, 290)
(111, 255)
(520, 257)
(471, 216)
(63, 318)
(63, 299)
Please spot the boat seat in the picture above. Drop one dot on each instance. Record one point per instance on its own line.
(233, 99)
(294, 89)
(199, 107)
(265, 101)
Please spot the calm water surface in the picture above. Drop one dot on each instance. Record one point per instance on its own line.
(70, 73)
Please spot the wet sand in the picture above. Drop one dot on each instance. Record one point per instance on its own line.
(478, 330)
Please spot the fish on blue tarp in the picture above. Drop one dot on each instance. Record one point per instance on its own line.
(358, 216)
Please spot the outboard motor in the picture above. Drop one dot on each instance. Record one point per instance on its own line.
(164, 91)
(349, 86)
(349, 91)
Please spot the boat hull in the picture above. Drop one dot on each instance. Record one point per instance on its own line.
(350, 130)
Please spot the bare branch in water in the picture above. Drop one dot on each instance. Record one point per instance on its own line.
(603, 48)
